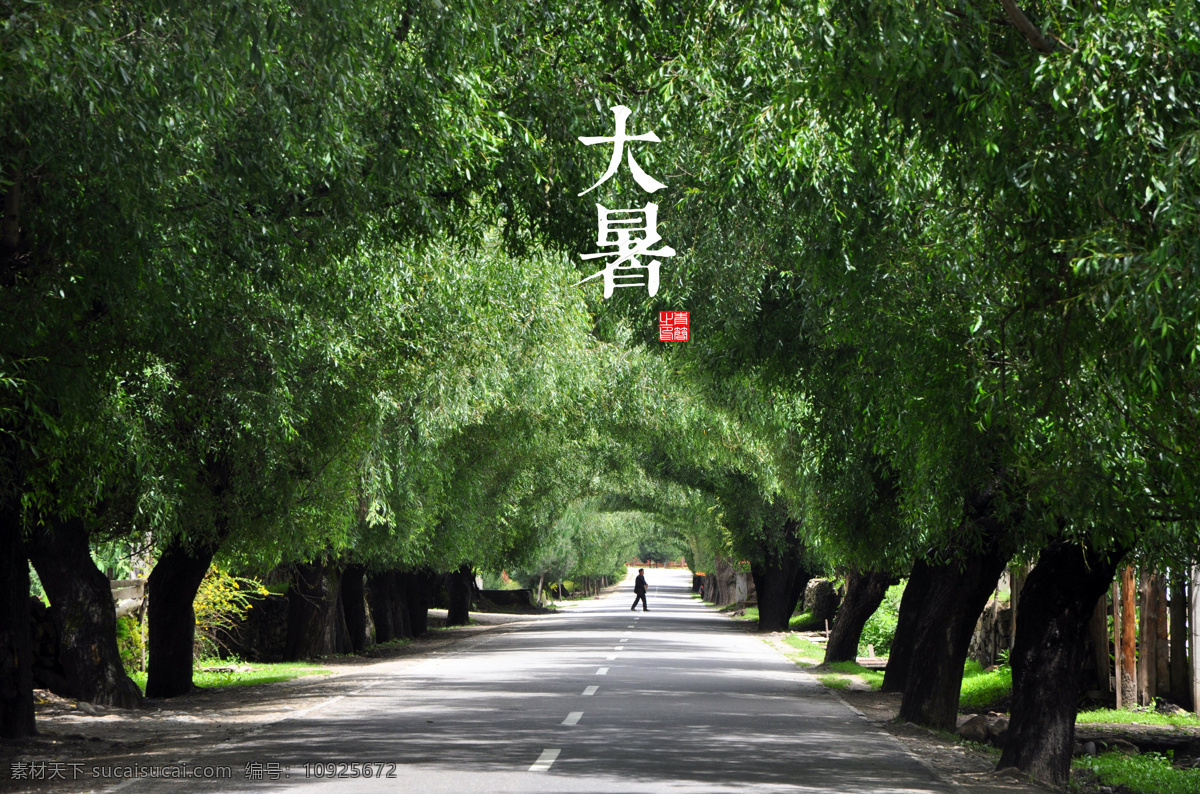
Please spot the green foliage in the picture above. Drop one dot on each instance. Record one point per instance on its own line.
(220, 604)
(982, 690)
(131, 643)
(1146, 773)
(880, 628)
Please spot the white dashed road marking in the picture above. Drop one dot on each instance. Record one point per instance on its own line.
(572, 718)
(590, 691)
(602, 671)
(544, 760)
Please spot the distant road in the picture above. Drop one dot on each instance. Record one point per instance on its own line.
(594, 699)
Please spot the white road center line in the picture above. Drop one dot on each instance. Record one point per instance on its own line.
(626, 634)
(624, 640)
(610, 658)
(590, 691)
(544, 760)
(619, 648)
(572, 718)
(602, 671)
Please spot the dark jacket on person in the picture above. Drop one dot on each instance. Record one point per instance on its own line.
(639, 584)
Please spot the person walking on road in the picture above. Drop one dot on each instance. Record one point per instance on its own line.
(639, 590)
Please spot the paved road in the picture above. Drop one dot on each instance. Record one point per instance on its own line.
(594, 699)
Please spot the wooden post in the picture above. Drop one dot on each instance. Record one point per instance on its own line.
(1118, 684)
(1181, 688)
(1128, 637)
(1099, 634)
(1194, 644)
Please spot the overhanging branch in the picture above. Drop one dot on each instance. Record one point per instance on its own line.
(1027, 28)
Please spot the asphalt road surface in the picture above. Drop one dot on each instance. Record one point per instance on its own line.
(596, 699)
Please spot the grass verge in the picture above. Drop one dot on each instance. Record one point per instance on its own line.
(982, 690)
(844, 673)
(244, 674)
(1137, 717)
(1148, 773)
(807, 653)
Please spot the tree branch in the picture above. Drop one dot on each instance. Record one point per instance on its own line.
(1027, 28)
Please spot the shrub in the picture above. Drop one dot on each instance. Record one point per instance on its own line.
(131, 642)
(221, 603)
(881, 626)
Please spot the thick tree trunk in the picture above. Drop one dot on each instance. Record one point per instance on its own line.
(313, 613)
(1180, 689)
(379, 593)
(908, 622)
(950, 610)
(864, 594)
(171, 590)
(779, 581)
(81, 607)
(459, 585)
(16, 648)
(1128, 637)
(417, 587)
(1048, 655)
(354, 607)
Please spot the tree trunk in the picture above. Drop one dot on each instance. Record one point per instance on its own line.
(458, 590)
(1099, 643)
(81, 607)
(1118, 663)
(416, 587)
(1048, 655)
(864, 594)
(16, 647)
(1180, 689)
(1147, 682)
(312, 629)
(1194, 641)
(541, 578)
(171, 589)
(1162, 653)
(1128, 635)
(1016, 582)
(950, 610)
(779, 581)
(354, 606)
(908, 622)
(379, 592)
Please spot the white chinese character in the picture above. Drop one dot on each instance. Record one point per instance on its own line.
(617, 231)
(644, 180)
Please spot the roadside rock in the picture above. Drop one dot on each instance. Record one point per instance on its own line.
(975, 729)
(999, 731)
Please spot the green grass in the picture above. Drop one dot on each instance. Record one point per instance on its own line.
(1148, 773)
(843, 672)
(807, 653)
(981, 690)
(256, 674)
(805, 622)
(1136, 717)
